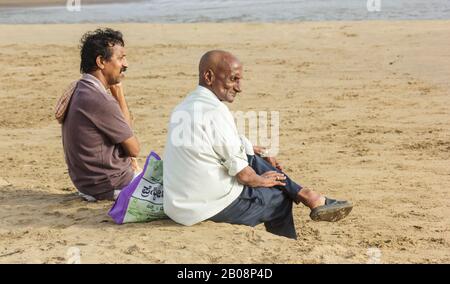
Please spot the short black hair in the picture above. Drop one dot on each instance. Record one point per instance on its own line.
(98, 42)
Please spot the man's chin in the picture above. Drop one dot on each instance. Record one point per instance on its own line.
(231, 98)
(119, 78)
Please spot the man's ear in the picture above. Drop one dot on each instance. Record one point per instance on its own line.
(99, 61)
(209, 77)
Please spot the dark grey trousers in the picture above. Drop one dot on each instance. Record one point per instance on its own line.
(271, 206)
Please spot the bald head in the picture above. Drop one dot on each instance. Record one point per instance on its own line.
(215, 59)
(220, 72)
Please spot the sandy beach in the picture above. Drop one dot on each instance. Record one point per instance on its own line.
(364, 115)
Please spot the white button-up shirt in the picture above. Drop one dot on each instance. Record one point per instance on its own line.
(203, 154)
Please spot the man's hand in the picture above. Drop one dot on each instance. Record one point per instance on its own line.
(269, 179)
(273, 178)
(118, 94)
(135, 165)
(117, 91)
(263, 152)
(260, 151)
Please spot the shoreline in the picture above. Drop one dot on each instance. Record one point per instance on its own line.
(307, 22)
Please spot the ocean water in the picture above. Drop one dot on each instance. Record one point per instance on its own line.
(191, 11)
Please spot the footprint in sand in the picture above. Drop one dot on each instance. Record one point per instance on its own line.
(4, 182)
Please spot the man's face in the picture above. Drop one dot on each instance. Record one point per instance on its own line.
(227, 83)
(115, 67)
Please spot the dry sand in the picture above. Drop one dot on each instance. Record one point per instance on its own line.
(365, 115)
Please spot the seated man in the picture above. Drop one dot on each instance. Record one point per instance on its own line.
(96, 128)
(212, 173)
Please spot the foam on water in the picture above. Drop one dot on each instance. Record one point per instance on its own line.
(182, 11)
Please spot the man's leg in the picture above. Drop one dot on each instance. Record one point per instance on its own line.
(261, 205)
(296, 192)
(260, 166)
(322, 208)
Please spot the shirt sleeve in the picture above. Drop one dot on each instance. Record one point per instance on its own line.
(230, 149)
(109, 119)
(247, 145)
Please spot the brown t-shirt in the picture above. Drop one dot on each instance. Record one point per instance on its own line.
(92, 131)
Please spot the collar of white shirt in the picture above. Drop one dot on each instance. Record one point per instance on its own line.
(209, 94)
(206, 92)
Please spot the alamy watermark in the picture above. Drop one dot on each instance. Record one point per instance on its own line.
(374, 5)
(73, 255)
(374, 256)
(73, 5)
(260, 131)
(202, 129)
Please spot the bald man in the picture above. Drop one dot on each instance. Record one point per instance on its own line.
(213, 173)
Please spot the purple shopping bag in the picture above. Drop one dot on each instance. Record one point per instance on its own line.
(142, 199)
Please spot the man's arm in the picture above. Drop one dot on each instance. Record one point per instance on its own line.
(249, 177)
(117, 93)
(131, 145)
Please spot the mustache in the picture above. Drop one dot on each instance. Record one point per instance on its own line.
(124, 69)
